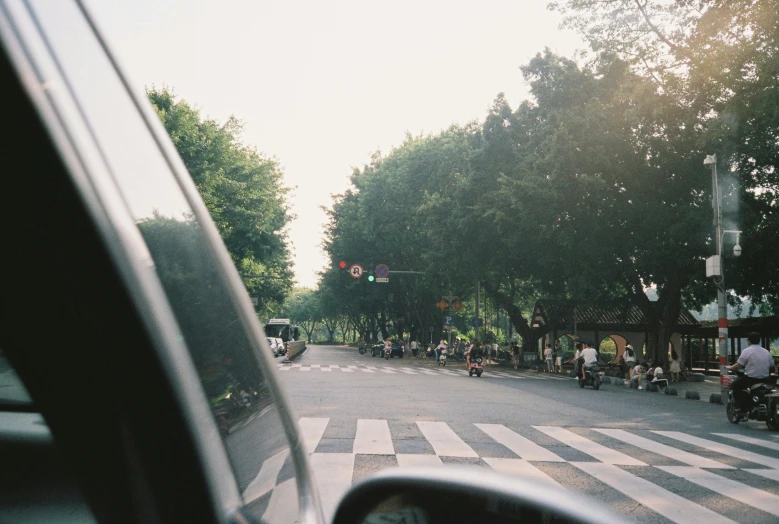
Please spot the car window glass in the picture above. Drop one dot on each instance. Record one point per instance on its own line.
(12, 391)
(241, 401)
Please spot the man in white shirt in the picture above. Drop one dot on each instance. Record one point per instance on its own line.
(590, 357)
(757, 363)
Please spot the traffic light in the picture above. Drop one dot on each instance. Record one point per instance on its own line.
(371, 278)
(342, 264)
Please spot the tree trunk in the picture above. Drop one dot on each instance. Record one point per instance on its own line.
(529, 335)
(661, 316)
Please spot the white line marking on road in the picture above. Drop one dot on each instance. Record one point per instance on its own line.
(311, 431)
(593, 449)
(332, 474)
(502, 374)
(284, 368)
(445, 442)
(327, 368)
(266, 478)
(368, 369)
(373, 438)
(407, 371)
(523, 447)
(347, 369)
(750, 440)
(296, 365)
(385, 370)
(721, 448)
(757, 498)
(772, 474)
(305, 368)
(668, 504)
(418, 461)
(283, 503)
(662, 449)
(447, 372)
(520, 468)
(428, 372)
(316, 365)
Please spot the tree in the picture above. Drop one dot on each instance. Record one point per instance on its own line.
(302, 307)
(242, 190)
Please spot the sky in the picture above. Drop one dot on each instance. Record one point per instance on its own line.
(320, 85)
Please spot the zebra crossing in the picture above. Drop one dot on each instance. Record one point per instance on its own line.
(636, 465)
(392, 370)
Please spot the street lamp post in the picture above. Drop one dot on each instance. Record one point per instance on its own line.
(715, 269)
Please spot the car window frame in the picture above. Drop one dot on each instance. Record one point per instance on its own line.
(121, 239)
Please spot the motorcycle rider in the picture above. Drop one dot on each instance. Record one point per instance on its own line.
(590, 357)
(476, 352)
(757, 363)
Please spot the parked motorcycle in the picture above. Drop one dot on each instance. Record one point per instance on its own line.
(763, 404)
(442, 358)
(475, 367)
(591, 378)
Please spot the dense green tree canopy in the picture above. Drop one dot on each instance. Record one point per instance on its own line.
(242, 190)
(594, 189)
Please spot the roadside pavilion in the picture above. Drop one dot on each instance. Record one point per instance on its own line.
(695, 341)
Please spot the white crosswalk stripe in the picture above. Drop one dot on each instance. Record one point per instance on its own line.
(750, 440)
(373, 438)
(445, 442)
(520, 445)
(520, 468)
(664, 502)
(602, 453)
(533, 459)
(439, 371)
(662, 449)
(722, 448)
(750, 496)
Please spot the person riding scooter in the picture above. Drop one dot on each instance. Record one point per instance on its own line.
(590, 357)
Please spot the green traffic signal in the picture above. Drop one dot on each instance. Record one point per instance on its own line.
(371, 278)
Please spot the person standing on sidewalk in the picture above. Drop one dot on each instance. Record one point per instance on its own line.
(460, 349)
(549, 358)
(515, 354)
(558, 357)
(676, 366)
(630, 360)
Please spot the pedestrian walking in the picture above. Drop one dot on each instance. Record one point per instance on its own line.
(515, 354)
(548, 357)
(414, 347)
(460, 349)
(676, 366)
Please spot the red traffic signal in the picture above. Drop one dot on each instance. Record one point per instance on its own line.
(342, 264)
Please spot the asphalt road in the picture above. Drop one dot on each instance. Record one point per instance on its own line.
(361, 414)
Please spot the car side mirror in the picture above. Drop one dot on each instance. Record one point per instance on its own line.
(463, 494)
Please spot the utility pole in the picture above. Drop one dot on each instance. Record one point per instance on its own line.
(478, 300)
(714, 268)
